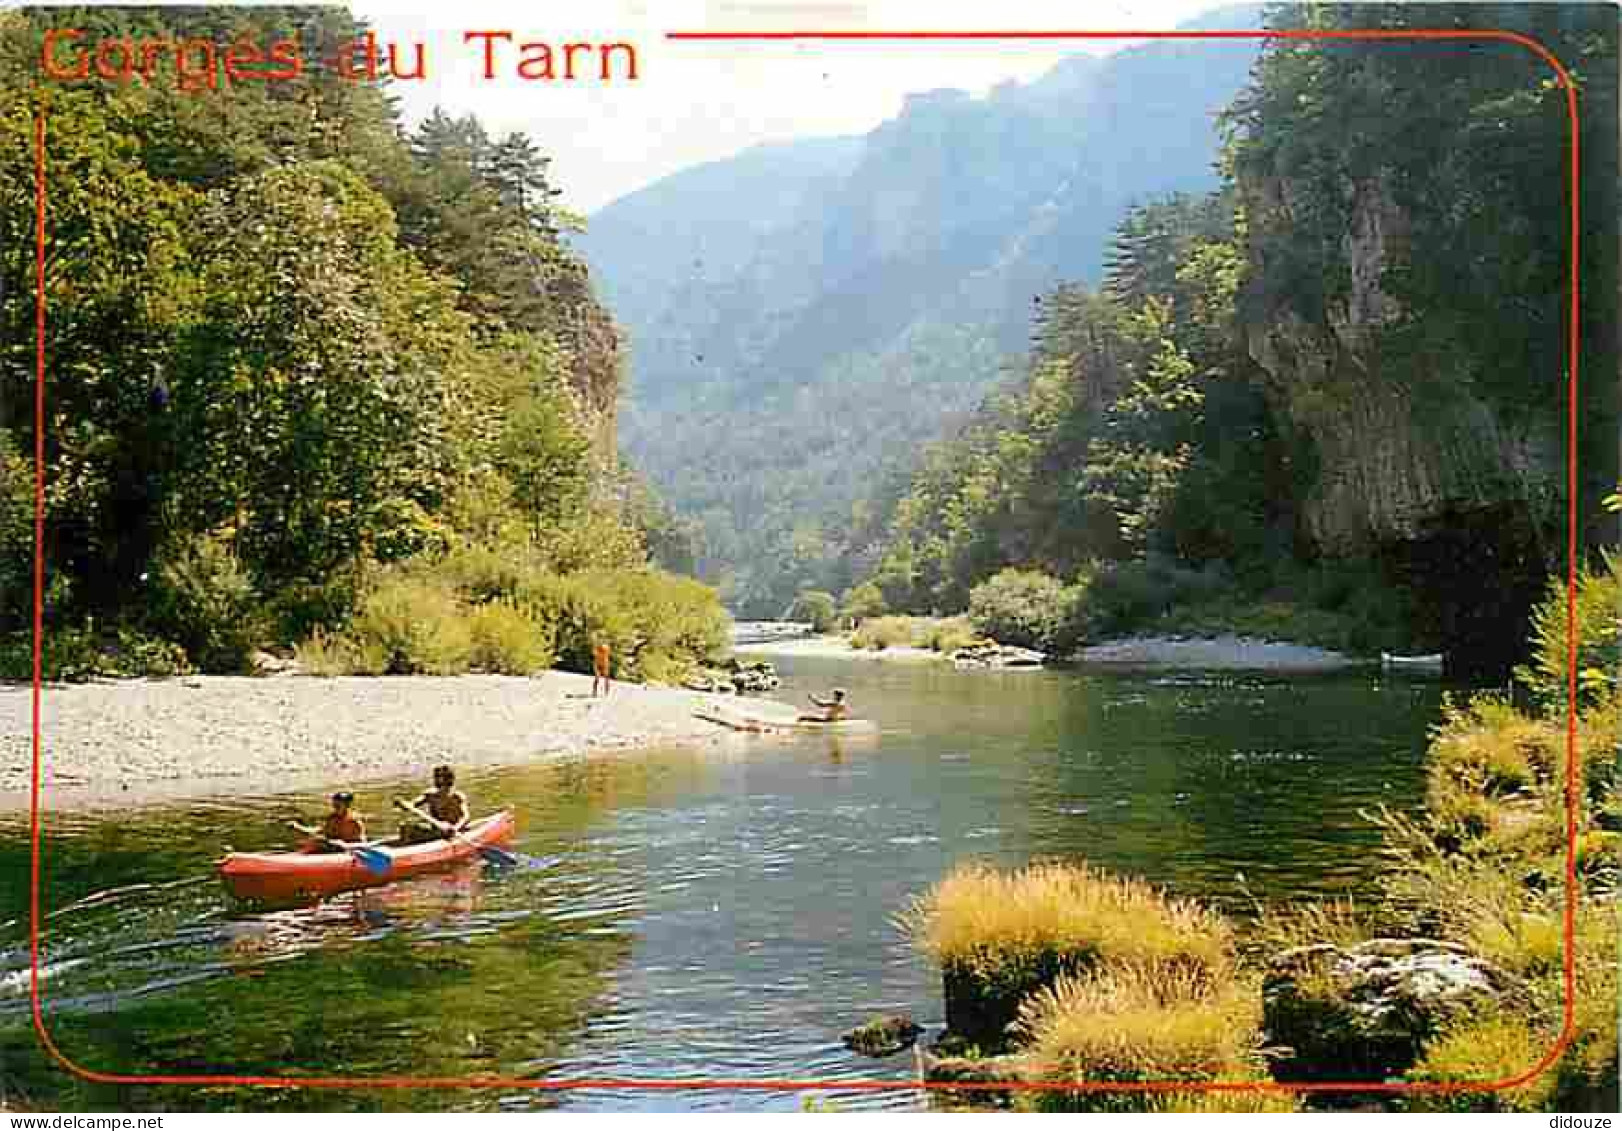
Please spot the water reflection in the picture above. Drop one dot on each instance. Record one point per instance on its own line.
(718, 912)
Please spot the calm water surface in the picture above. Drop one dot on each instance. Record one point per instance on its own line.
(722, 912)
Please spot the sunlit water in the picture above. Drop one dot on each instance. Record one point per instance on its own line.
(724, 912)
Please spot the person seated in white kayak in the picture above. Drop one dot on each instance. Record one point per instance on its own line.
(445, 805)
(834, 709)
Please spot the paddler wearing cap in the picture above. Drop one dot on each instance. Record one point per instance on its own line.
(834, 708)
(339, 825)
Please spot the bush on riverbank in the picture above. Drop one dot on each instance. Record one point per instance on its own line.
(938, 634)
(501, 610)
(1000, 936)
(1024, 608)
(204, 600)
(657, 624)
(1134, 1024)
(1484, 867)
(77, 654)
(1324, 606)
(817, 608)
(1599, 638)
(988, 920)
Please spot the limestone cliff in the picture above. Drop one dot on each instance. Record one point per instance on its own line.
(1401, 435)
(587, 331)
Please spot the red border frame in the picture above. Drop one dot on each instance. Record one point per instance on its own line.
(704, 1083)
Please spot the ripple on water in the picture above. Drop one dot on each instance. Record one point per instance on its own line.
(705, 914)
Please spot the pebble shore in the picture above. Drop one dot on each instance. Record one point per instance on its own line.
(124, 742)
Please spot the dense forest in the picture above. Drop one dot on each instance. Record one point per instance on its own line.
(1327, 400)
(312, 379)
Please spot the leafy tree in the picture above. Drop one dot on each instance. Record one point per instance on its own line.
(1025, 608)
(815, 606)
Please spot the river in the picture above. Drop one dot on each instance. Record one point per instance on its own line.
(724, 912)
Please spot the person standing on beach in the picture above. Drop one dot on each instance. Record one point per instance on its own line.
(600, 665)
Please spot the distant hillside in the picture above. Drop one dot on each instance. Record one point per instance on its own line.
(802, 316)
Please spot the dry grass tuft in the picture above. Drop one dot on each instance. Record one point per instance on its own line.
(1489, 748)
(984, 919)
(1134, 1022)
(1485, 1050)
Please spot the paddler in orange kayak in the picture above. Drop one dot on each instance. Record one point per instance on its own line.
(444, 803)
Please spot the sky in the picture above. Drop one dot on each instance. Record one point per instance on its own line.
(698, 102)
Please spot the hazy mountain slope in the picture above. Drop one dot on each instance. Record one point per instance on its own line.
(857, 293)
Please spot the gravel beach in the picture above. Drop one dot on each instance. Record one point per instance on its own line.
(1216, 653)
(132, 741)
(1210, 653)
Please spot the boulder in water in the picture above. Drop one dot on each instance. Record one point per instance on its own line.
(883, 1036)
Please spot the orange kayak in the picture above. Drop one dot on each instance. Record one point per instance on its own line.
(289, 877)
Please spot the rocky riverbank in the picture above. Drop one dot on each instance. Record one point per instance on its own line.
(126, 742)
(1215, 653)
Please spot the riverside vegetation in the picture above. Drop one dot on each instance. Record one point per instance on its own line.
(1306, 401)
(314, 381)
(1076, 976)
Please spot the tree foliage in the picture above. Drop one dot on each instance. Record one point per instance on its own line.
(1142, 438)
(288, 344)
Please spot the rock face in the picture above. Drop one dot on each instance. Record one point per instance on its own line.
(1400, 436)
(1405, 457)
(1363, 1013)
(587, 331)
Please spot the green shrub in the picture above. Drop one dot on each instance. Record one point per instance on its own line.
(66, 655)
(1126, 596)
(332, 654)
(137, 654)
(1489, 748)
(592, 540)
(16, 534)
(414, 625)
(1480, 1051)
(1025, 608)
(508, 640)
(580, 614)
(863, 601)
(1134, 1023)
(489, 573)
(77, 653)
(204, 599)
(1599, 639)
(950, 634)
(299, 608)
(657, 624)
(879, 633)
(815, 606)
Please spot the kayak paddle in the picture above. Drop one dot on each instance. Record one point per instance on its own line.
(374, 860)
(489, 851)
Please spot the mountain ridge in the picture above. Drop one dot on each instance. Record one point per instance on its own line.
(910, 255)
